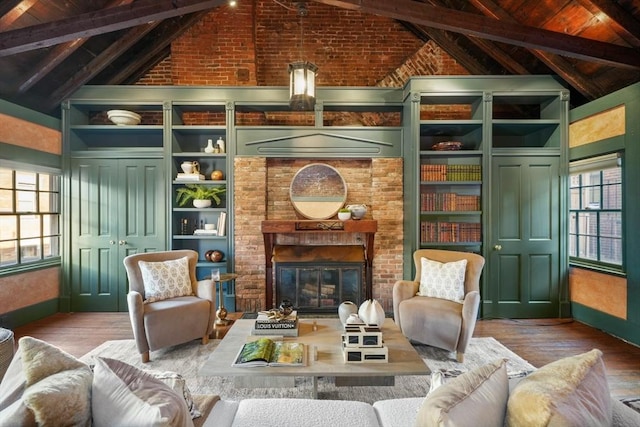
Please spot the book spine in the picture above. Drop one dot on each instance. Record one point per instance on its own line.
(275, 325)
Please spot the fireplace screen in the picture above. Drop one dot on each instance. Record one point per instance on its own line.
(319, 278)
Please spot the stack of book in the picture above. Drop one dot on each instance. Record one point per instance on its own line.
(190, 177)
(287, 327)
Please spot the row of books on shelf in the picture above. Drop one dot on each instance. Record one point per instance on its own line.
(450, 232)
(218, 230)
(449, 202)
(450, 172)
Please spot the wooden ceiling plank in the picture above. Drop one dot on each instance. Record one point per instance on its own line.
(99, 22)
(7, 5)
(9, 17)
(558, 64)
(99, 63)
(500, 56)
(57, 55)
(154, 54)
(622, 22)
(488, 28)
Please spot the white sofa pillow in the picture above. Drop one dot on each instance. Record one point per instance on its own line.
(442, 280)
(166, 279)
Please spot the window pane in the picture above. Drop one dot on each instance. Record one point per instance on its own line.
(48, 202)
(50, 225)
(6, 178)
(573, 224)
(574, 180)
(26, 180)
(51, 247)
(591, 198)
(8, 253)
(589, 247)
(611, 224)
(30, 250)
(573, 247)
(612, 196)
(588, 223)
(29, 226)
(8, 227)
(574, 193)
(6, 200)
(26, 201)
(611, 250)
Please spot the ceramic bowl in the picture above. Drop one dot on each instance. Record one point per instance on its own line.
(343, 216)
(123, 117)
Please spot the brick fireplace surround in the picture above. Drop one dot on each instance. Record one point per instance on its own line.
(261, 192)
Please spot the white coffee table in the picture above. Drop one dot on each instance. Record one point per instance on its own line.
(325, 344)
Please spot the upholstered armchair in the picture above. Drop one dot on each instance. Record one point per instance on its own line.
(162, 319)
(439, 322)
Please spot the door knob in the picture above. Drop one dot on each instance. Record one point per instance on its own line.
(498, 247)
(122, 242)
(112, 242)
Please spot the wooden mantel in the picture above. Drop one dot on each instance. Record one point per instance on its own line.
(271, 228)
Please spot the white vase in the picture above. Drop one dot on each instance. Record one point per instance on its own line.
(371, 312)
(201, 203)
(346, 309)
(209, 148)
(221, 145)
(187, 167)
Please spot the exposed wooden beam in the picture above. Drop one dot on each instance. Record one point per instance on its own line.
(99, 63)
(488, 28)
(558, 64)
(8, 17)
(499, 55)
(99, 22)
(57, 55)
(621, 21)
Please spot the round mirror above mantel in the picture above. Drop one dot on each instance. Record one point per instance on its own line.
(318, 191)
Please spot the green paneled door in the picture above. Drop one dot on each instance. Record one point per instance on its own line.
(524, 240)
(117, 208)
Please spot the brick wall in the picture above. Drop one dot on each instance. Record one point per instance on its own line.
(252, 44)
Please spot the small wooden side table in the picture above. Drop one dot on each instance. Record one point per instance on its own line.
(221, 313)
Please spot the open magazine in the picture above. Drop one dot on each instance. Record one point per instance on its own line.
(268, 352)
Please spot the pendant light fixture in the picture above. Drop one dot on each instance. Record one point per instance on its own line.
(302, 75)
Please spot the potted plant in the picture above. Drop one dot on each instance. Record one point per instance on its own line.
(202, 195)
(344, 214)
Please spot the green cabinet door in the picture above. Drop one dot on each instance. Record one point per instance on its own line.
(524, 240)
(117, 208)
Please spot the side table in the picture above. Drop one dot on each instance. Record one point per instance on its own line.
(221, 313)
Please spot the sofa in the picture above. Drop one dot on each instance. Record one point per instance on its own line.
(46, 386)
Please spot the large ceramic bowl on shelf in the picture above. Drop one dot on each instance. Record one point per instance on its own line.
(123, 117)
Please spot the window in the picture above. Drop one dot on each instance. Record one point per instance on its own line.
(29, 217)
(595, 229)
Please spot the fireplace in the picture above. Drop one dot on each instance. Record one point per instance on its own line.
(316, 279)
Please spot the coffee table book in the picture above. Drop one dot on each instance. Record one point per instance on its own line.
(270, 352)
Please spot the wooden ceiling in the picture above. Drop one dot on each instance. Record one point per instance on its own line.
(49, 48)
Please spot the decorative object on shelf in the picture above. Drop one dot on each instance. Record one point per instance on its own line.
(447, 146)
(354, 319)
(209, 148)
(123, 117)
(184, 226)
(201, 203)
(302, 75)
(357, 211)
(190, 167)
(221, 145)
(199, 192)
(346, 309)
(317, 191)
(286, 308)
(371, 312)
(214, 255)
(344, 214)
(217, 175)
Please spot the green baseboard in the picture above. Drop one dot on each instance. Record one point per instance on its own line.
(615, 326)
(13, 319)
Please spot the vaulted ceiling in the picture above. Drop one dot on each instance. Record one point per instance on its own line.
(49, 48)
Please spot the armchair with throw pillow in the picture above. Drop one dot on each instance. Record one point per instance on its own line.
(439, 307)
(167, 305)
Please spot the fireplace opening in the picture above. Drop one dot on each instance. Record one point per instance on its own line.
(316, 279)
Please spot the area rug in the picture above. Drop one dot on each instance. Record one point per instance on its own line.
(186, 359)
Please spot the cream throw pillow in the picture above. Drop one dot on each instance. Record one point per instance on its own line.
(477, 398)
(442, 280)
(58, 386)
(166, 279)
(124, 395)
(568, 392)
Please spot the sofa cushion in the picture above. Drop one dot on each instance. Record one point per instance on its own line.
(178, 384)
(442, 280)
(568, 392)
(304, 412)
(166, 279)
(124, 395)
(476, 398)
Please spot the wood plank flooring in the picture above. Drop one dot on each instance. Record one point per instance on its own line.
(539, 341)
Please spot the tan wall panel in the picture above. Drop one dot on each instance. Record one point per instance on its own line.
(600, 126)
(26, 134)
(602, 292)
(22, 290)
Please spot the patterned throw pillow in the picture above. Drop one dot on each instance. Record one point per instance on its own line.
(442, 280)
(166, 279)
